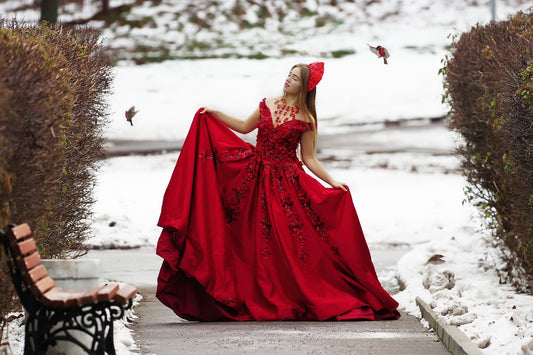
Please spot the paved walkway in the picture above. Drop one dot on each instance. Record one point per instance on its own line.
(159, 331)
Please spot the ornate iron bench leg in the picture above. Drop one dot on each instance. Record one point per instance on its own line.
(36, 327)
(109, 343)
(46, 327)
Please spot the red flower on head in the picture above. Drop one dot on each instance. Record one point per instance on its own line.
(316, 70)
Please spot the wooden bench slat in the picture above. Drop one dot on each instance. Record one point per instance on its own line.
(88, 296)
(29, 262)
(25, 247)
(49, 299)
(107, 292)
(125, 292)
(42, 286)
(59, 298)
(19, 232)
(35, 274)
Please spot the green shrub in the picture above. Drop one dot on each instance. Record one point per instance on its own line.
(489, 85)
(53, 83)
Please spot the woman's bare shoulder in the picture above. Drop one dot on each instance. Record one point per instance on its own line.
(270, 100)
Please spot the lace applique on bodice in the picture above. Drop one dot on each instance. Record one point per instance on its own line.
(278, 144)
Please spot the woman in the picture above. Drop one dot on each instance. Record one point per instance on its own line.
(249, 235)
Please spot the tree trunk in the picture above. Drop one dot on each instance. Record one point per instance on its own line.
(49, 10)
(105, 6)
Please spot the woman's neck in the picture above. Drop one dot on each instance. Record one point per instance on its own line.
(291, 100)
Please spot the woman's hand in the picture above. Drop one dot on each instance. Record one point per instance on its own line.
(205, 110)
(338, 185)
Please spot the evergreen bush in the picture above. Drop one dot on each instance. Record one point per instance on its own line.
(489, 85)
(53, 84)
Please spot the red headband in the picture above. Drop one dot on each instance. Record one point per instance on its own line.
(316, 70)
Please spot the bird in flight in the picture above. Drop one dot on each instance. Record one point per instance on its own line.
(381, 52)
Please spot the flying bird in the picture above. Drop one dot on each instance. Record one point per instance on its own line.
(381, 52)
(130, 113)
(435, 259)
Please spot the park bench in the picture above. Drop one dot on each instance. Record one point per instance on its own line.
(83, 317)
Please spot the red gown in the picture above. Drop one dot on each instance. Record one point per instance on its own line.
(249, 235)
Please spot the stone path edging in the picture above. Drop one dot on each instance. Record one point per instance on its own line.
(453, 338)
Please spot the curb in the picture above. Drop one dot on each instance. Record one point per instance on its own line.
(453, 338)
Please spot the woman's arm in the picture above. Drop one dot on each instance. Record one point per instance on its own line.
(310, 160)
(236, 124)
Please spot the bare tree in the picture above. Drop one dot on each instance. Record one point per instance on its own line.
(49, 10)
(105, 6)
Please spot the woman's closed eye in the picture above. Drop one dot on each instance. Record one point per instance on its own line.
(293, 77)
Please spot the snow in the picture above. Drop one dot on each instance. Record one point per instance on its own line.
(13, 334)
(411, 196)
(467, 290)
(169, 93)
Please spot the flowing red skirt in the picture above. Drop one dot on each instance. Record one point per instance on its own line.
(222, 264)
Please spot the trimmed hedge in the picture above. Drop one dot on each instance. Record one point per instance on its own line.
(53, 85)
(489, 85)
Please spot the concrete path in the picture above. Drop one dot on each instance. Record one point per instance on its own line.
(159, 331)
(359, 140)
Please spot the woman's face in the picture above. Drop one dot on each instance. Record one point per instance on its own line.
(293, 83)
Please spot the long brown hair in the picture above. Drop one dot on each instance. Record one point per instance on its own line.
(306, 99)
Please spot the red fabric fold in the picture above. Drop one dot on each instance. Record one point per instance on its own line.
(248, 235)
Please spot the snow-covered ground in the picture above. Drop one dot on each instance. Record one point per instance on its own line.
(355, 89)
(409, 198)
